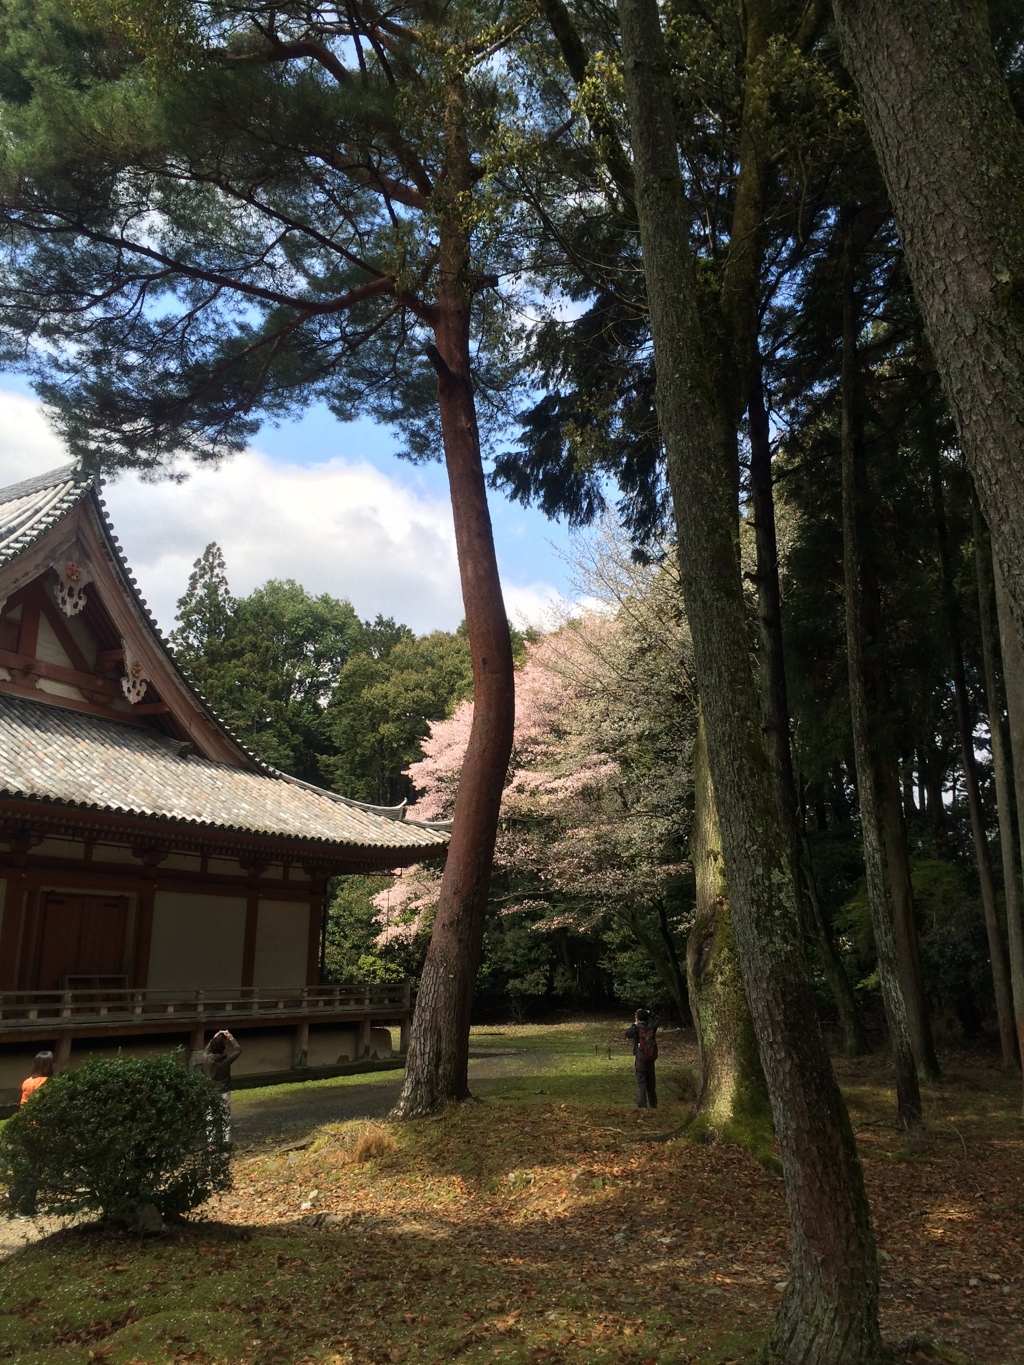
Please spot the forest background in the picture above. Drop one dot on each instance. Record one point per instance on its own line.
(806, 300)
(751, 274)
(593, 895)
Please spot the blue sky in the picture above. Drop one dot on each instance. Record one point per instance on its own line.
(327, 504)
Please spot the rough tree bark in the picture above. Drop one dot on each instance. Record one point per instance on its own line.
(829, 1311)
(732, 1104)
(741, 386)
(775, 717)
(1013, 677)
(1001, 764)
(908, 1097)
(437, 1066)
(965, 724)
(951, 149)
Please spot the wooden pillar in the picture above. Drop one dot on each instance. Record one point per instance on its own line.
(196, 1043)
(10, 932)
(29, 935)
(301, 1057)
(365, 1036)
(143, 936)
(151, 856)
(62, 1053)
(252, 915)
(316, 913)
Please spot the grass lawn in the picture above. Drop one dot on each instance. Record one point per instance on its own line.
(534, 1226)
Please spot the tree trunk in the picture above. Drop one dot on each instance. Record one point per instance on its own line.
(1013, 676)
(829, 1312)
(1001, 764)
(732, 1105)
(775, 722)
(904, 917)
(965, 723)
(936, 807)
(908, 1096)
(951, 149)
(437, 1065)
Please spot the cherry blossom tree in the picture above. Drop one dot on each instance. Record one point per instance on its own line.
(596, 808)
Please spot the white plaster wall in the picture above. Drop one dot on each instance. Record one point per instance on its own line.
(197, 942)
(282, 940)
(48, 647)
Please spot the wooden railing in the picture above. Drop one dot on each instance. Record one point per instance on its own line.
(65, 1009)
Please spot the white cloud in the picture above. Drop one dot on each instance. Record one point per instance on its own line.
(534, 604)
(341, 527)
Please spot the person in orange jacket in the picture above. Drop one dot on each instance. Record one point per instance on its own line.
(42, 1070)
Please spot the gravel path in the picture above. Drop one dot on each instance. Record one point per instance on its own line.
(292, 1114)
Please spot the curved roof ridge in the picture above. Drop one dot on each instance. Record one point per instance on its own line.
(65, 473)
(388, 812)
(31, 508)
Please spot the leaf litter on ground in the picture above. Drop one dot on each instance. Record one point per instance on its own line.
(542, 1228)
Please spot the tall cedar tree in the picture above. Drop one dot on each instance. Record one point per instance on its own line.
(213, 209)
(951, 147)
(753, 165)
(829, 1311)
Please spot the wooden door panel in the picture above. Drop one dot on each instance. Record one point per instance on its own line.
(60, 931)
(103, 933)
(80, 936)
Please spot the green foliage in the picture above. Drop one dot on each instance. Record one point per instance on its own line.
(288, 173)
(310, 688)
(383, 701)
(115, 1134)
(951, 939)
(353, 952)
(635, 980)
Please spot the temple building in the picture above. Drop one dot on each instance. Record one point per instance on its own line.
(157, 881)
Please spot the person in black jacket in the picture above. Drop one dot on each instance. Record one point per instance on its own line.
(643, 1036)
(217, 1058)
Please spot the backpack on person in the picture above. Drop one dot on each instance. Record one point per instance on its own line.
(647, 1044)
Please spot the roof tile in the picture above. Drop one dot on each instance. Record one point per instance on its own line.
(79, 760)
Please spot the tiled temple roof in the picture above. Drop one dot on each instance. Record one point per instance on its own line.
(83, 761)
(29, 509)
(55, 754)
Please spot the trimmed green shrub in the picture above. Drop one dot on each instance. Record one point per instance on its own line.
(115, 1135)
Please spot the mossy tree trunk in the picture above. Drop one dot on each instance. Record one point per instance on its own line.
(829, 1312)
(732, 1104)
